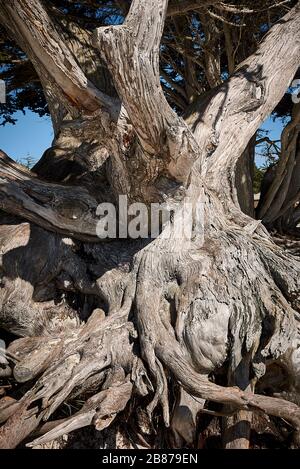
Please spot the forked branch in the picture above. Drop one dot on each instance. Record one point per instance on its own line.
(224, 122)
(131, 52)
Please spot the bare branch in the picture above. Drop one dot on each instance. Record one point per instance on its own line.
(185, 6)
(286, 161)
(131, 52)
(243, 102)
(65, 209)
(42, 42)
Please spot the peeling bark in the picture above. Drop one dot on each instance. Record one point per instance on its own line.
(130, 320)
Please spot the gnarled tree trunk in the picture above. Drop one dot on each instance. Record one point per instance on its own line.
(129, 323)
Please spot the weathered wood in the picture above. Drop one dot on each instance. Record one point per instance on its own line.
(64, 209)
(31, 21)
(280, 193)
(131, 52)
(162, 310)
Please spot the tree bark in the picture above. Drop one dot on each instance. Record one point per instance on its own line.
(130, 320)
(281, 185)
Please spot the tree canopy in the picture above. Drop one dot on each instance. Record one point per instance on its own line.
(202, 44)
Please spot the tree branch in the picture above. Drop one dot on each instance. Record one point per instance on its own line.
(185, 6)
(69, 210)
(284, 168)
(31, 23)
(131, 52)
(224, 121)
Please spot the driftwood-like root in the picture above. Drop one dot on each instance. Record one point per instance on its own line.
(125, 321)
(183, 322)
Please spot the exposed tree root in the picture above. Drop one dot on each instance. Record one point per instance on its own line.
(167, 313)
(122, 320)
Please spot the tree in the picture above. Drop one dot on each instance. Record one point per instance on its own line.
(158, 325)
(279, 203)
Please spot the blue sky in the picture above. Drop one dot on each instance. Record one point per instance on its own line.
(274, 129)
(32, 135)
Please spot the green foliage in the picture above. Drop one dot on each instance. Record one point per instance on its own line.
(24, 90)
(23, 87)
